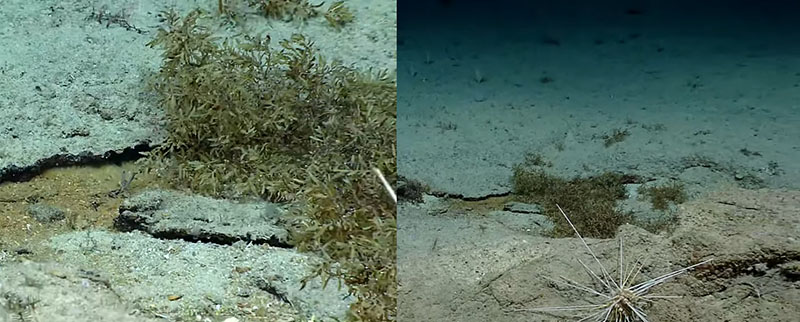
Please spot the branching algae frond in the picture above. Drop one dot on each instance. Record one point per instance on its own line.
(338, 15)
(287, 10)
(248, 120)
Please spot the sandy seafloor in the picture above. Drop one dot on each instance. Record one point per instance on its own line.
(709, 96)
(73, 109)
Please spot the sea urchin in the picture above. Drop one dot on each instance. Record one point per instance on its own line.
(620, 300)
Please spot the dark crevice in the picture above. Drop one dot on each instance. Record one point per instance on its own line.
(220, 239)
(15, 173)
(625, 178)
(274, 291)
(442, 194)
(743, 266)
(131, 223)
(265, 285)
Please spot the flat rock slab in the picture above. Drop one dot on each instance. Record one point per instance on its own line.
(73, 89)
(175, 278)
(60, 294)
(174, 215)
(753, 237)
(74, 85)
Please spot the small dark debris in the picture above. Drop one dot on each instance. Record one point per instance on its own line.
(616, 136)
(550, 40)
(411, 190)
(774, 169)
(632, 179)
(634, 12)
(750, 153)
(103, 15)
(447, 126)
